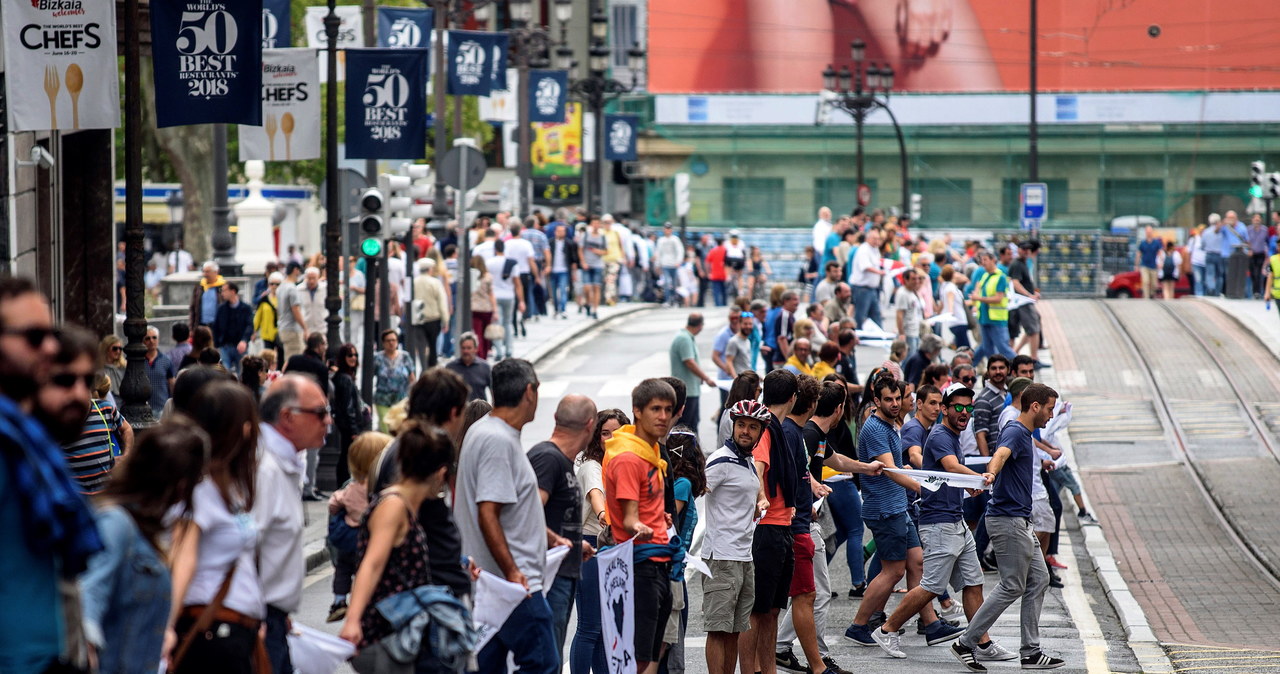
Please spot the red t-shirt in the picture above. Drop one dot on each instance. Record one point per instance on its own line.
(715, 260)
(423, 244)
(778, 512)
(631, 478)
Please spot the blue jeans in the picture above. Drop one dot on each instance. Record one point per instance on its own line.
(231, 358)
(1214, 269)
(277, 642)
(560, 290)
(670, 283)
(846, 510)
(507, 315)
(866, 304)
(913, 343)
(1197, 283)
(560, 598)
(586, 654)
(995, 339)
(717, 291)
(528, 636)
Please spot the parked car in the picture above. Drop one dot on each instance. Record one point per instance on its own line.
(1129, 284)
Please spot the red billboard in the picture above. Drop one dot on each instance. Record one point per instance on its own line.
(965, 45)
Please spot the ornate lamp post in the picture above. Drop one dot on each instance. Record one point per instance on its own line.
(861, 91)
(596, 90)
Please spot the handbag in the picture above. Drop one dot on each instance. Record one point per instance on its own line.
(494, 332)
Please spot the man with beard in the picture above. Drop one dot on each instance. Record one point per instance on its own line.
(51, 532)
(92, 432)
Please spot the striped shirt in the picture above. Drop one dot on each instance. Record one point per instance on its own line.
(89, 457)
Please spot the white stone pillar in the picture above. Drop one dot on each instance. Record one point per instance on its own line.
(255, 240)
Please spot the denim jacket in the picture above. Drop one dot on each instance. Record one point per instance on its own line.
(429, 611)
(125, 593)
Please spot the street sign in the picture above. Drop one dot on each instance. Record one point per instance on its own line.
(864, 195)
(451, 167)
(1035, 201)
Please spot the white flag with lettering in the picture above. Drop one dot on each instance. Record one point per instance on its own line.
(617, 607)
(290, 109)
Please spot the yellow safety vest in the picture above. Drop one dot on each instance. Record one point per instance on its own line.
(1000, 310)
(1275, 277)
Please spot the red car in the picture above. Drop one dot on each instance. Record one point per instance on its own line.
(1129, 284)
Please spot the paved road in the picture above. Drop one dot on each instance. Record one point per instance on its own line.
(1077, 624)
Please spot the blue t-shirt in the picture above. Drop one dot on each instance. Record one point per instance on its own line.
(829, 250)
(881, 496)
(722, 343)
(32, 634)
(1011, 493)
(945, 505)
(794, 435)
(913, 433)
(1149, 250)
(689, 517)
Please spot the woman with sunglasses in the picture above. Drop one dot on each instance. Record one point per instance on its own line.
(348, 408)
(111, 351)
(586, 654)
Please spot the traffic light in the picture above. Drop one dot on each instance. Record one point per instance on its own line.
(1258, 171)
(917, 206)
(1273, 186)
(403, 192)
(371, 223)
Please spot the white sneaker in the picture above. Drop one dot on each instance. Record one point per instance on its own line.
(890, 643)
(994, 652)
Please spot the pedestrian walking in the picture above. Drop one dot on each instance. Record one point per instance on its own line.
(684, 366)
(347, 506)
(232, 327)
(350, 414)
(206, 296)
(1169, 262)
(483, 305)
(592, 247)
(125, 591)
(508, 293)
(393, 372)
(429, 313)
(992, 297)
(266, 323)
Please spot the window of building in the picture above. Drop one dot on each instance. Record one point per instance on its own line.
(840, 194)
(754, 200)
(1012, 195)
(624, 32)
(1131, 196)
(944, 201)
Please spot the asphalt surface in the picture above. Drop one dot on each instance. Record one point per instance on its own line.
(1077, 623)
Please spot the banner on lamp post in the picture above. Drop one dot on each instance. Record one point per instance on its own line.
(405, 27)
(68, 51)
(386, 103)
(620, 137)
(350, 35)
(476, 62)
(290, 109)
(207, 59)
(276, 33)
(548, 90)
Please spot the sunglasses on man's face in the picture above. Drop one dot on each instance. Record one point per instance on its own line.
(69, 379)
(35, 336)
(963, 408)
(968, 380)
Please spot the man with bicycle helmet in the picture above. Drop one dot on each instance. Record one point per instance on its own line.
(732, 505)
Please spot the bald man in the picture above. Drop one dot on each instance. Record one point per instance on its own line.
(562, 500)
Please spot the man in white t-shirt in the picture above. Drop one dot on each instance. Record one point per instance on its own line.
(909, 309)
(521, 250)
(178, 260)
(670, 257)
(507, 291)
(821, 229)
(865, 275)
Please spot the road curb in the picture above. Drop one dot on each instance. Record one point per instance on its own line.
(1245, 321)
(316, 553)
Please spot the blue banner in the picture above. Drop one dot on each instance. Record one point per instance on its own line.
(620, 137)
(404, 28)
(275, 24)
(475, 61)
(548, 90)
(207, 59)
(386, 103)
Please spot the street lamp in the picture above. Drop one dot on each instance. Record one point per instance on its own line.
(597, 89)
(859, 92)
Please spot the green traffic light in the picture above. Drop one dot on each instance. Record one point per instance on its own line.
(371, 247)
(1255, 191)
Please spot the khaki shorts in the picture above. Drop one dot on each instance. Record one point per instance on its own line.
(672, 634)
(292, 342)
(1042, 519)
(727, 596)
(950, 557)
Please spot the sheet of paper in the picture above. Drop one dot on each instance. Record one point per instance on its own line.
(697, 564)
(555, 557)
(496, 598)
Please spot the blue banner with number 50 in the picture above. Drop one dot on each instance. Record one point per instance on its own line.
(207, 61)
(386, 113)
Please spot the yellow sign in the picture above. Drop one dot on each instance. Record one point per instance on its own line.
(557, 146)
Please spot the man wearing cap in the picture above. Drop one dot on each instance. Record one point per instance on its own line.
(950, 554)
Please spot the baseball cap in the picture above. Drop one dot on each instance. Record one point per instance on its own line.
(956, 389)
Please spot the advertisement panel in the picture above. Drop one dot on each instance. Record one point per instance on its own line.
(967, 45)
(556, 155)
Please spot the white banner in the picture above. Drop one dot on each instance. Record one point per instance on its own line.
(500, 105)
(67, 50)
(496, 598)
(617, 607)
(290, 109)
(934, 479)
(350, 35)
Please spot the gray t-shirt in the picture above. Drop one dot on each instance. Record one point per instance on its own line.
(738, 353)
(493, 467)
(287, 298)
(593, 260)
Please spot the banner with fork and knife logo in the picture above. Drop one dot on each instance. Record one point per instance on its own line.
(290, 109)
(65, 50)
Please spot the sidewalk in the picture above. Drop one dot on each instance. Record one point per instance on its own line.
(546, 335)
(1253, 316)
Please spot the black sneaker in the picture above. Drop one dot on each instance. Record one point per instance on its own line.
(788, 661)
(834, 668)
(338, 611)
(877, 619)
(856, 591)
(920, 626)
(1042, 661)
(966, 657)
(1055, 581)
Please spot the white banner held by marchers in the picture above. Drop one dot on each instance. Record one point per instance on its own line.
(933, 479)
(350, 34)
(617, 607)
(290, 109)
(66, 49)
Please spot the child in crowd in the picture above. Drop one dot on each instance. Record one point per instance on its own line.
(346, 506)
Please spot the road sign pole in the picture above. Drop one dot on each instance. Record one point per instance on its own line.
(463, 303)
